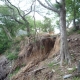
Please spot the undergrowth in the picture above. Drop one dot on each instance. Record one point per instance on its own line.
(76, 78)
(71, 31)
(14, 73)
(12, 56)
(71, 71)
(12, 52)
(78, 31)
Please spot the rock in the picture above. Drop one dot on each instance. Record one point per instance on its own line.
(53, 70)
(67, 76)
(68, 40)
(69, 68)
(76, 39)
(3, 60)
(4, 67)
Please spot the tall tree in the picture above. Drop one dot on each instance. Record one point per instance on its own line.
(47, 26)
(73, 12)
(60, 10)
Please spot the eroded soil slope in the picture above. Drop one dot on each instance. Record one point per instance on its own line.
(32, 55)
(38, 61)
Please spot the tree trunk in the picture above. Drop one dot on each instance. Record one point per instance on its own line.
(74, 15)
(28, 28)
(64, 44)
(28, 31)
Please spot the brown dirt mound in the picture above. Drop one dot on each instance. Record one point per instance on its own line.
(32, 54)
(35, 52)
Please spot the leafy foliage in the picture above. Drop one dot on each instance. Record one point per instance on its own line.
(71, 6)
(5, 43)
(7, 20)
(47, 25)
(7, 25)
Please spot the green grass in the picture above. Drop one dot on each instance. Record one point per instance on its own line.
(76, 78)
(51, 65)
(70, 71)
(12, 56)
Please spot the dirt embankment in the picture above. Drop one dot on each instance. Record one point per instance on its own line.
(32, 55)
(74, 45)
(38, 60)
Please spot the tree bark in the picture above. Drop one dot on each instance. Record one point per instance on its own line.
(64, 44)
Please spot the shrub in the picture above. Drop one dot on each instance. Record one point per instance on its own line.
(5, 43)
(76, 78)
(78, 31)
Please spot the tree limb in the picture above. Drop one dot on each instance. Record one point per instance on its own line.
(16, 8)
(49, 3)
(30, 8)
(50, 8)
(13, 17)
